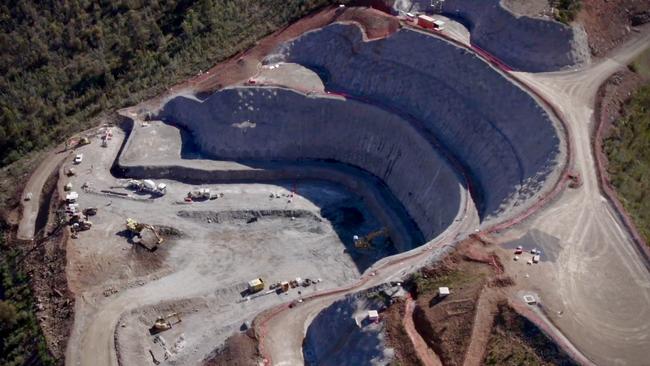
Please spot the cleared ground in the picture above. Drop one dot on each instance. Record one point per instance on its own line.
(200, 270)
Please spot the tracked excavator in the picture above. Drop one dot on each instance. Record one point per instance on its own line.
(163, 323)
(366, 241)
(137, 228)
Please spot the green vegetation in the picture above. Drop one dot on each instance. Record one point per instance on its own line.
(641, 65)
(565, 10)
(628, 152)
(21, 340)
(452, 279)
(63, 62)
(517, 341)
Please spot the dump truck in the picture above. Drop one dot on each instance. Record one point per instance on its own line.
(255, 285)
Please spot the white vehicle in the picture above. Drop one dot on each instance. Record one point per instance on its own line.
(78, 158)
(147, 185)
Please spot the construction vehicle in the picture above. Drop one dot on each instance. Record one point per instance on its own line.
(199, 194)
(138, 228)
(366, 241)
(83, 141)
(163, 323)
(148, 186)
(255, 285)
(90, 211)
(81, 225)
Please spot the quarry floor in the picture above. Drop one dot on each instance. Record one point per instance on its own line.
(200, 274)
(593, 284)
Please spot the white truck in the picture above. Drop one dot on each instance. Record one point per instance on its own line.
(147, 185)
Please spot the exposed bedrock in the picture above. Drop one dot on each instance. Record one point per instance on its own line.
(495, 130)
(341, 334)
(276, 124)
(522, 42)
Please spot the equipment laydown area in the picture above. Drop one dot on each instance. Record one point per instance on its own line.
(295, 206)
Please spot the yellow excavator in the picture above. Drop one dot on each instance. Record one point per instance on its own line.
(366, 241)
(163, 323)
(136, 228)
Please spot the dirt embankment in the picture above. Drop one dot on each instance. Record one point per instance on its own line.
(397, 337)
(608, 23)
(239, 350)
(473, 325)
(610, 100)
(44, 261)
(245, 65)
(517, 341)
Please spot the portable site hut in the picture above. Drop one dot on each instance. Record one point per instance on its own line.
(373, 315)
(426, 21)
(443, 291)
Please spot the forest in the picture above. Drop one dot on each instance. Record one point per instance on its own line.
(64, 62)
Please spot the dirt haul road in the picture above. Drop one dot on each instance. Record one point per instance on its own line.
(600, 282)
(599, 287)
(27, 226)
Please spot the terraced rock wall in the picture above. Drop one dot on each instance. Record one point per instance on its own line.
(498, 133)
(524, 43)
(275, 124)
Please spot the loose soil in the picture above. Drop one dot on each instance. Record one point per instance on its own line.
(241, 67)
(517, 341)
(397, 337)
(44, 262)
(608, 23)
(473, 325)
(239, 350)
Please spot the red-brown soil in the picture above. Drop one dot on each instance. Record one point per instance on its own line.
(608, 22)
(239, 350)
(241, 67)
(397, 338)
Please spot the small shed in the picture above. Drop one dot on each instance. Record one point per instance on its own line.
(530, 299)
(443, 291)
(426, 21)
(373, 315)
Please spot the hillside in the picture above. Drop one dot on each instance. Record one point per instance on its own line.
(63, 62)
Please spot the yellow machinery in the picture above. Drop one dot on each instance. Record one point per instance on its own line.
(137, 227)
(255, 285)
(163, 323)
(366, 241)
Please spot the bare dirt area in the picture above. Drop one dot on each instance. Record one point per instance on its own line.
(44, 260)
(241, 67)
(397, 337)
(609, 23)
(446, 324)
(314, 193)
(474, 324)
(238, 350)
(516, 341)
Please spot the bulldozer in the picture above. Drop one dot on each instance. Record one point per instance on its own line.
(366, 241)
(137, 228)
(163, 323)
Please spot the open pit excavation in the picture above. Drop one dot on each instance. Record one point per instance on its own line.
(404, 149)
(522, 43)
(294, 203)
